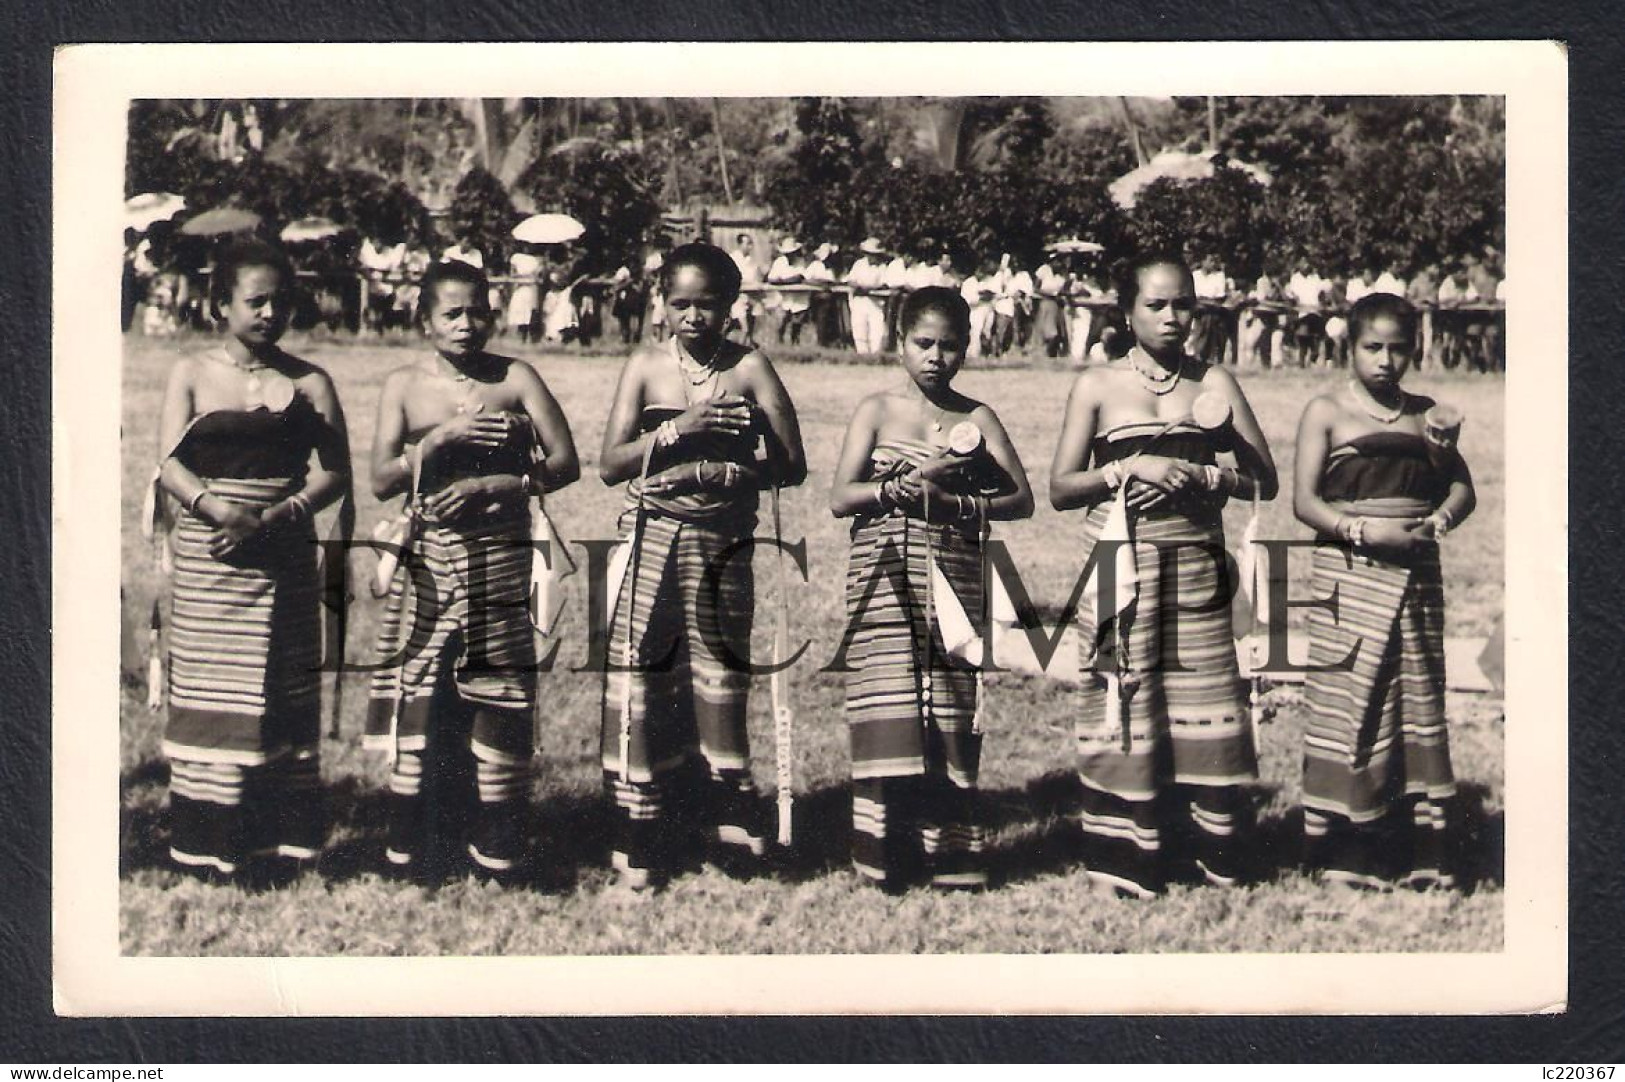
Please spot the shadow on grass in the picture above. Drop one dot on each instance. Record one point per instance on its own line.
(1033, 833)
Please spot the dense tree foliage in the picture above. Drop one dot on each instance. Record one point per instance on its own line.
(483, 215)
(609, 188)
(1392, 181)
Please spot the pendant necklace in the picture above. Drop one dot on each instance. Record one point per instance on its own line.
(252, 371)
(1360, 399)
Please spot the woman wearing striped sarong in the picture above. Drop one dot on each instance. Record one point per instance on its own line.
(1163, 739)
(468, 437)
(241, 425)
(1381, 486)
(683, 431)
(919, 504)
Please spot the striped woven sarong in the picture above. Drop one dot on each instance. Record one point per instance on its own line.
(243, 728)
(910, 707)
(1186, 721)
(1377, 750)
(688, 759)
(459, 598)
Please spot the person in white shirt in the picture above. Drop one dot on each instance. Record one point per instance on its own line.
(1388, 282)
(788, 270)
(1012, 307)
(821, 302)
(895, 280)
(379, 260)
(465, 252)
(1361, 285)
(868, 274)
(925, 272)
(1305, 289)
(979, 291)
(526, 296)
(1049, 284)
(747, 308)
(1259, 332)
(1212, 334)
(1081, 285)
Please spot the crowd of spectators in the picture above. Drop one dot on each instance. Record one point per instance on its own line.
(822, 295)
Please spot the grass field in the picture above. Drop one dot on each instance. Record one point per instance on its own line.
(818, 905)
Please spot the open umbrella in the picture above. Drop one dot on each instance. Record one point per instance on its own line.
(548, 229)
(141, 211)
(311, 229)
(1176, 165)
(1074, 246)
(221, 220)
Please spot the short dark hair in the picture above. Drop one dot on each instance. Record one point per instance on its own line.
(234, 257)
(936, 299)
(713, 262)
(1127, 277)
(1375, 306)
(451, 270)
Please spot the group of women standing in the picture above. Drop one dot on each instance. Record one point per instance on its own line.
(1152, 447)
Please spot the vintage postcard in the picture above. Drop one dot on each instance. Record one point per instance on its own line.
(810, 529)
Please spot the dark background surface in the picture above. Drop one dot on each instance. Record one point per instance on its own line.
(1592, 1031)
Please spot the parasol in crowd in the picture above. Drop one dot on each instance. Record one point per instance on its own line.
(1073, 246)
(219, 221)
(311, 229)
(141, 211)
(1178, 165)
(548, 229)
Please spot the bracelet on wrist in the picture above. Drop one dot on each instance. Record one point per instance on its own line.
(1212, 478)
(301, 505)
(666, 434)
(192, 504)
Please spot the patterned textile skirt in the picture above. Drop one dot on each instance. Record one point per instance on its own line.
(1377, 777)
(911, 709)
(686, 779)
(459, 598)
(244, 721)
(1167, 783)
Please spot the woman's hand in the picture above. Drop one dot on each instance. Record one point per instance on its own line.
(727, 415)
(473, 429)
(1397, 538)
(236, 526)
(279, 514)
(705, 476)
(945, 470)
(1155, 479)
(466, 496)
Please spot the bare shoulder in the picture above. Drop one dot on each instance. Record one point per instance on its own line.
(402, 378)
(983, 414)
(184, 372)
(306, 373)
(1217, 377)
(753, 366)
(517, 373)
(1095, 381)
(642, 360)
(1321, 411)
(873, 408)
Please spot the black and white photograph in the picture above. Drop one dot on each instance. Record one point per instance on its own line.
(811, 540)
